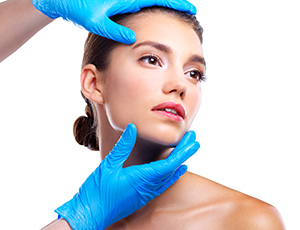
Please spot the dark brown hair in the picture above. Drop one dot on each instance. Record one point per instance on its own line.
(97, 51)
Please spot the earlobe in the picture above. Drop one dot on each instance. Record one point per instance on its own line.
(89, 87)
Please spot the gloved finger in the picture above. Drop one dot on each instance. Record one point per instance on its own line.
(153, 168)
(178, 173)
(149, 189)
(161, 181)
(157, 169)
(180, 5)
(123, 147)
(175, 159)
(188, 137)
(114, 31)
(180, 155)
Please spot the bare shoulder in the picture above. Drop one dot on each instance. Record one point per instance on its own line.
(250, 213)
(226, 208)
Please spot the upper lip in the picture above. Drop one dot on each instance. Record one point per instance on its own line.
(171, 105)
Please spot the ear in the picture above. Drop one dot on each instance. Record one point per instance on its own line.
(90, 78)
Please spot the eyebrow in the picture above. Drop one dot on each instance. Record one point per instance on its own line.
(156, 45)
(168, 50)
(197, 58)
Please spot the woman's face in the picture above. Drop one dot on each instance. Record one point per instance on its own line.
(155, 83)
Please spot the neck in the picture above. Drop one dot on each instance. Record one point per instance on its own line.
(145, 152)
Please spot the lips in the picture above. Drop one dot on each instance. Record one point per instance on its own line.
(170, 109)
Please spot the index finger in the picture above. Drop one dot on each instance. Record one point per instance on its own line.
(184, 150)
(180, 5)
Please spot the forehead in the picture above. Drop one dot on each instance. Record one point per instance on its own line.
(166, 29)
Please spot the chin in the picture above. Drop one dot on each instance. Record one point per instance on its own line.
(164, 136)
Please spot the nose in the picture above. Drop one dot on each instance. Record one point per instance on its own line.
(175, 83)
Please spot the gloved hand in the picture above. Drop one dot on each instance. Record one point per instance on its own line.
(112, 192)
(93, 15)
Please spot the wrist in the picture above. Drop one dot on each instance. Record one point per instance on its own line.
(77, 216)
(60, 224)
(45, 9)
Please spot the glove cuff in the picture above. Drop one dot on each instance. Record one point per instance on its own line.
(45, 8)
(76, 215)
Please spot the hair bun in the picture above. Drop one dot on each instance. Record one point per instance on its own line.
(84, 129)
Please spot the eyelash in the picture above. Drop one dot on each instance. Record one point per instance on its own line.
(156, 59)
(200, 75)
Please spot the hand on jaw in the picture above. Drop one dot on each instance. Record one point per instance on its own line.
(112, 192)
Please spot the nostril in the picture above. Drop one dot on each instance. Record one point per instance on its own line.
(179, 89)
(182, 94)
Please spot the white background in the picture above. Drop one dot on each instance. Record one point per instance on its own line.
(248, 125)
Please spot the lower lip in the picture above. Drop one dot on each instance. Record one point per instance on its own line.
(171, 116)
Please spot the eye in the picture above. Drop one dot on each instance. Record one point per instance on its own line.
(151, 60)
(197, 75)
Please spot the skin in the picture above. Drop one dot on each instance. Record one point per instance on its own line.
(19, 22)
(128, 77)
(127, 92)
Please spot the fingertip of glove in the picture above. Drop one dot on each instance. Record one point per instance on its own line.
(131, 126)
(192, 133)
(130, 130)
(193, 9)
(190, 150)
(195, 147)
(182, 170)
(190, 136)
(116, 32)
(128, 37)
(185, 6)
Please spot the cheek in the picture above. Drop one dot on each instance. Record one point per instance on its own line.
(125, 98)
(194, 99)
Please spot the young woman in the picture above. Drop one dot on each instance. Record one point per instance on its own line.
(155, 84)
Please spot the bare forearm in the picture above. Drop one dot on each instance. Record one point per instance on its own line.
(19, 21)
(60, 224)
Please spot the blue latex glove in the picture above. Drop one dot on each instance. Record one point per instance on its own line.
(112, 192)
(93, 15)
